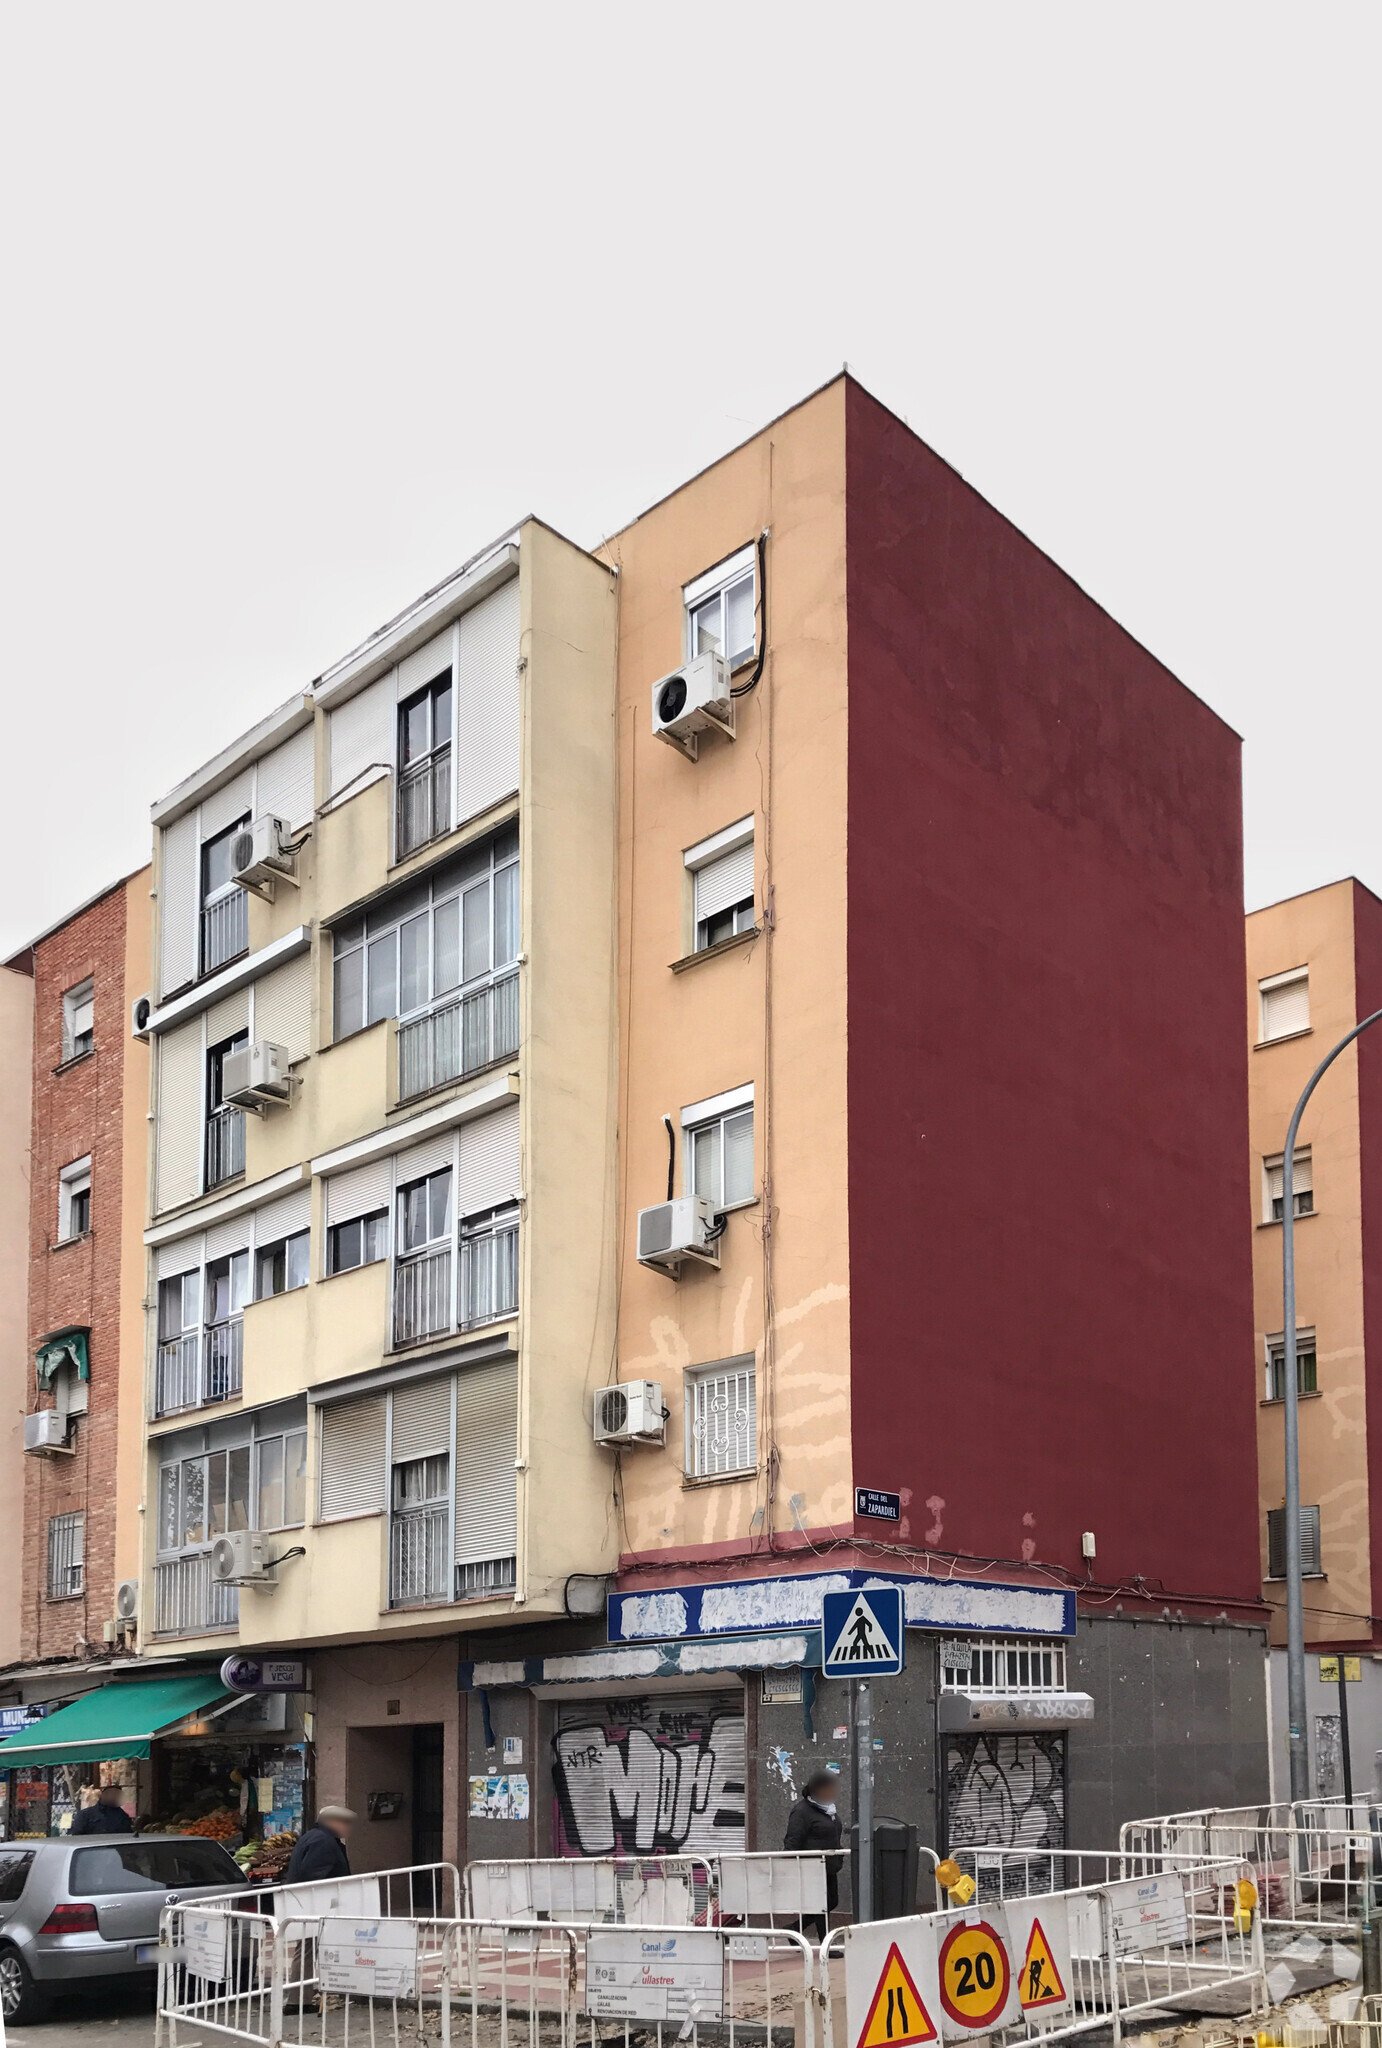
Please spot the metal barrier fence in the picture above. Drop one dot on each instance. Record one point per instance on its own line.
(1311, 1867)
(669, 1891)
(1046, 1963)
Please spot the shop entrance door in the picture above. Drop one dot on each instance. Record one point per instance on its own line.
(429, 1750)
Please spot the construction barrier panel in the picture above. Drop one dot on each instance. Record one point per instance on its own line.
(1311, 1863)
(667, 1891)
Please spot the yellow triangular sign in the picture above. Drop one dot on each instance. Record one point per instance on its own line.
(897, 2016)
(1041, 1984)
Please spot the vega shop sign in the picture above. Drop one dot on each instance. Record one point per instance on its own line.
(264, 1674)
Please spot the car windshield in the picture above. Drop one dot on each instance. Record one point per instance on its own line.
(149, 1867)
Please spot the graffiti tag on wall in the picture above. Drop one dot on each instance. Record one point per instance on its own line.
(640, 1778)
(1006, 1791)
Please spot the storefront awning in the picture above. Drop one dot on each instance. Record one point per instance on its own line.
(113, 1721)
(1017, 1713)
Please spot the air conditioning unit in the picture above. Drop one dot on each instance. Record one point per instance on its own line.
(263, 853)
(45, 1432)
(630, 1414)
(673, 1231)
(692, 700)
(141, 1009)
(256, 1076)
(127, 1600)
(241, 1559)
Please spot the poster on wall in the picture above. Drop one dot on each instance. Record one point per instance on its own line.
(657, 1775)
(503, 1798)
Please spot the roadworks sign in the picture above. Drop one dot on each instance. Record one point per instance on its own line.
(976, 1975)
(897, 2016)
(1039, 1934)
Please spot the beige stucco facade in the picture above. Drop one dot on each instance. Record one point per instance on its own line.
(16, 1111)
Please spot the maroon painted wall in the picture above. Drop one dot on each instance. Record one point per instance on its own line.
(1367, 970)
(1051, 1321)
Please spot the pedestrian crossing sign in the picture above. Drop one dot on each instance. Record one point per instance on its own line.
(862, 1633)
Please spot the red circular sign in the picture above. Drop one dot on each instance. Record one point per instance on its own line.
(975, 1975)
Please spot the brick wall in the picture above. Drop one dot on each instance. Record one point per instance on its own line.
(77, 1109)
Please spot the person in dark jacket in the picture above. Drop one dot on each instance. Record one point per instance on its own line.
(320, 1852)
(106, 1817)
(814, 1824)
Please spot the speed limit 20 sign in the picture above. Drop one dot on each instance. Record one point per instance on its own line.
(977, 1991)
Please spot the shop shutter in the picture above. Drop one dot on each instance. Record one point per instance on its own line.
(700, 1736)
(486, 1445)
(724, 881)
(486, 699)
(229, 1017)
(184, 1255)
(236, 800)
(177, 905)
(1007, 1790)
(283, 785)
(178, 1151)
(283, 1007)
(352, 1458)
(422, 1419)
(283, 1218)
(430, 1157)
(425, 665)
(360, 737)
(359, 1191)
(488, 1172)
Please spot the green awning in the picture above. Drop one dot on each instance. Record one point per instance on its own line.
(114, 1721)
(59, 1348)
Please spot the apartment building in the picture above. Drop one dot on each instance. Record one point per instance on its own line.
(16, 1110)
(666, 1066)
(1314, 967)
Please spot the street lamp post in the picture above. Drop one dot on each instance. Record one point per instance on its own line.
(1295, 1593)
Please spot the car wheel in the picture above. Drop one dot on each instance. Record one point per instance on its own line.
(21, 2001)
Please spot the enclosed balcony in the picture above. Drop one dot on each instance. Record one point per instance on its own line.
(458, 1038)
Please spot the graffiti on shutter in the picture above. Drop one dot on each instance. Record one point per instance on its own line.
(648, 1776)
(1005, 1791)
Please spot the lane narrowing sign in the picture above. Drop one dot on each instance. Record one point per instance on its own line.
(862, 1633)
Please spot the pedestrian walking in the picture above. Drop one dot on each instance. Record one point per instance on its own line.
(813, 1823)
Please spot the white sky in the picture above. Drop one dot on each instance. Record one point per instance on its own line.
(304, 303)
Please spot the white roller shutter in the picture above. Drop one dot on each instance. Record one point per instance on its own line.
(359, 1191)
(352, 1458)
(184, 1255)
(360, 736)
(177, 905)
(724, 881)
(283, 1007)
(486, 1445)
(426, 665)
(229, 1017)
(283, 1218)
(283, 784)
(487, 703)
(430, 1157)
(236, 800)
(178, 1149)
(489, 1164)
(422, 1419)
(231, 1235)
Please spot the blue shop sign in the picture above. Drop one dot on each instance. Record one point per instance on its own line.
(793, 1600)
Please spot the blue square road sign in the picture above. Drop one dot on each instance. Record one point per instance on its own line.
(862, 1633)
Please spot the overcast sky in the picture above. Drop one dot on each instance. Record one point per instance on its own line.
(305, 303)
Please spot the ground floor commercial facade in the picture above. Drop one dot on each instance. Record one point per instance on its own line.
(1331, 1722)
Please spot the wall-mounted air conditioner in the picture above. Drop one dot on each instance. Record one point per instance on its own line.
(256, 1076)
(242, 1559)
(263, 853)
(141, 1009)
(693, 699)
(46, 1431)
(127, 1601)
(673, 1231)
(630, 1414)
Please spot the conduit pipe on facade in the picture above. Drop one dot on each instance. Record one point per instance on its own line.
(1298, 1748)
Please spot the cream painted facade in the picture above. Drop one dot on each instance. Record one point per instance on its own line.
(16, 1111)
(439, 1398)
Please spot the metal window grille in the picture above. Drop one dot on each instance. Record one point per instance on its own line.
(998, 1665)
(419, 1564)
(225, 1146)
(422, 1296)
(66, 1546)
(458, 1038)
(225, 930)
(199, 1367)
(1309, 1542)
(489, 1273)
(479, 1581)
(188, 1601)
(722, 1430)
(424, 800)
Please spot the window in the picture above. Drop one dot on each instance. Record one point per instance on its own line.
(79, 1020)
(66, 1545)
(211, 1481)
(74, 1199)
(1302, 1185)
(489, 1266)
(280, 1481)
(282, 1266)
(201, 1335)
(424, 1212)
(422, 1274)
(1284, 1004)
(361, 1242)
(719, 1148)
(424, 765)
(225, 918)
(1309, 1543)
(996, 1664)
(1306, 1382)
(225, 1125)
(721, 1420)
(720, 610)
(128, 1866)
(721, 871)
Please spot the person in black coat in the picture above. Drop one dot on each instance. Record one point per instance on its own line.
(106, 1817)
(320, 1852)
(814, 1824)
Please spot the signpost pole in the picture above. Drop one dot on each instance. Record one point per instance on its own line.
(863, 1723)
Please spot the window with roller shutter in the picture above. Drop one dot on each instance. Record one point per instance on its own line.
(352, 1478)
(1284, 1004)
(486, 1540)
(721, 871)
(718, 1146)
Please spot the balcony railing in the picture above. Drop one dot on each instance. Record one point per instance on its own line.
(225, 1146)
(188, 1601)
(491, 1575)
(458, 1038)
(200, 1367)
(419, 1561)
(422, 1296)
(489, 1276)
(225, 930)
(424, 801)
